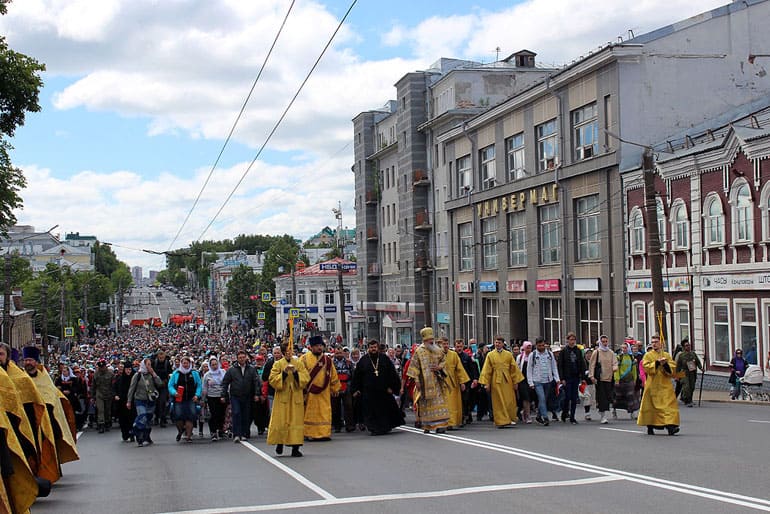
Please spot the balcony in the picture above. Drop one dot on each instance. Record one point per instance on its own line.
(422, 221)
(372, 198)
(373, 270)
(371, 234)
(420, 178)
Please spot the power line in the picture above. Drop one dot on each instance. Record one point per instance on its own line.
(280, 120)
(235, 123)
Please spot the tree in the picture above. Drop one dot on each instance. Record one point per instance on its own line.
(20, 85)
(242, 286)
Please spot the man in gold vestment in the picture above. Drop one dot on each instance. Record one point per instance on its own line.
(426, 367)
(323, 384)
(501, 376)
(288, 378)
(659, 408)
(456, 381)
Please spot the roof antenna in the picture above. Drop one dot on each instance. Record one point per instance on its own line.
(497, 54)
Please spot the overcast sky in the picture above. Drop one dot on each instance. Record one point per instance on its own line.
(139, 96)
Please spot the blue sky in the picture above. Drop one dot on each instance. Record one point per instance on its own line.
(132, 120)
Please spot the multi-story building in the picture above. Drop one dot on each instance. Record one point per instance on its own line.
(402, 231)
(220, 273)
(317, 292)
(75, 239)
(535, 202)
(136, 274)
(713, 215)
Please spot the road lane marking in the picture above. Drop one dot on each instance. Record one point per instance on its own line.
(621, 430)
(323, 493)
(758, 421)
(401, 496)
(694, 490)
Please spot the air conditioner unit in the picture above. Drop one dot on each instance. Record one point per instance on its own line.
(371, 319)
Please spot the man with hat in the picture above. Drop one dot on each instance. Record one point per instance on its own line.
(324, 383)
(427, 370)
(101, 391)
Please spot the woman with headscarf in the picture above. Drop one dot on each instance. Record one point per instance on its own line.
(738, 367)
(601, 368)
(71, 386)
(126, 415)
(625, 381)
(143, 393)
(522, 360)
(212, 395)
(185, 386)
(202, 408)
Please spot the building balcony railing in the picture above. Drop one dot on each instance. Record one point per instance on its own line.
(420, 178)
(372, 198)
(371, 234)
(422, 221)
(374, 269)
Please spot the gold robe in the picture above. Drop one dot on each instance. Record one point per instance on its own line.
(659, 406)
(501, 376)
(455, 377)
(288, 411)
(22, 486)
(318, 405)
(47, 463)
(432, 410)
(66, 448)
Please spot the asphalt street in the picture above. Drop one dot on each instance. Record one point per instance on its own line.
(144, 303)
(718, 463)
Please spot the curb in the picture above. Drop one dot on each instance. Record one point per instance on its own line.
(741, 402)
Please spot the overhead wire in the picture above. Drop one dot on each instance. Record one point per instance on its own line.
(232, 129)
(280, 120)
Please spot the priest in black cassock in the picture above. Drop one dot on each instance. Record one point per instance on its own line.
(375, 381)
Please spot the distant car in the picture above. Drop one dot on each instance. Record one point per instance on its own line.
(159, 293)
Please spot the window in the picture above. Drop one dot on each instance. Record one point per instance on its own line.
(514, 147)
(765, 208)
(547, 145)
(489, 242)
(550, 312)
(491, 318)
(589, 315)
(464, 184)
(637, 231)
(466, 246)
(488, 171)
(313, 297)
(587, 210)
(517, 238)
(329, 297)
(681, 226)
(747, 330)
(681, 322)
(585, 123)
(301, 297)
(347, 296)
(743, 218)
(639, 322)
(720, 327)
(661, 214)
(715, 221)
(466, 316)
(331, 325)
(550, 234)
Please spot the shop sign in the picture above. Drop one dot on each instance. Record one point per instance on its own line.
(586, 284)
(516, 286)
(488, 286)
(443, 318)
(551, 285)
(464, 287)
(742, 282)
(518, 201)
(671, 284)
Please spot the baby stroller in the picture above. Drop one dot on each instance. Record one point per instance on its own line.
(751, 384)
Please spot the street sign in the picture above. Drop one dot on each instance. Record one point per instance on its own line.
(260, 315)
(293, 313)
(266, 296)
(69, 331)
(274, 303)
(283, 301)
(102, 306)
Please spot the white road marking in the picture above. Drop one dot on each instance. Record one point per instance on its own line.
(622, 430)
(323, 493)
(694, 490)
(758, 421)
(400, 496)
(77, 436)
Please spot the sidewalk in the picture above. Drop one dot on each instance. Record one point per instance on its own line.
(724, 397)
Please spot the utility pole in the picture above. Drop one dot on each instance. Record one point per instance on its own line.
(85, 306)
(61, 310)
(653, 243)
(342, 305)
(44, 319)
(7, 300)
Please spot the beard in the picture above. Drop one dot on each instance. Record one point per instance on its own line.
(31, 369)
(433, 348)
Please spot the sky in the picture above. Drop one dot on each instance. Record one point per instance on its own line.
(139, 96)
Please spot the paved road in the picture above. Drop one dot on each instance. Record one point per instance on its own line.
(719, 463)
(143, 303)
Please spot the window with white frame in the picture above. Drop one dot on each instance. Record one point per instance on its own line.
(515, 157)
(313, 297)
(661, 214)
(550, 313)
(550, 234)
(746, 315)
(715, 221)
(680, 226)
(587, 213)
(331, 325)
(491, 318)
(765, 209)
(639, 321)
(466, 317)
(301, 297)
(464, 183)
(488, 170)
(681, 315)
(585, 123)
(517, 238)
(720, 330)
(743, 213)
(465, 232)
(636, 224)
(329, 297)
(347, 296)
(547, 145)
(589, 315)
(489, 242)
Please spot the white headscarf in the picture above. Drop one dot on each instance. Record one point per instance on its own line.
(218, 374)
(185, 370)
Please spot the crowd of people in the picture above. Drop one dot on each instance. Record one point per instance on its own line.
(146, 378)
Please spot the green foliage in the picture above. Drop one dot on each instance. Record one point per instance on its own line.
(105, 260)
(242, 285)
(20, 271)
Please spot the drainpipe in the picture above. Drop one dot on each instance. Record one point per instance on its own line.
(477, 254)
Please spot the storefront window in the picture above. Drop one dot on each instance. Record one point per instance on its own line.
(640, 323)
(589, 312)
(747, 319)
(466, 315)
(491, 319)
(550, 312)
(681, 321)
(721, 331)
